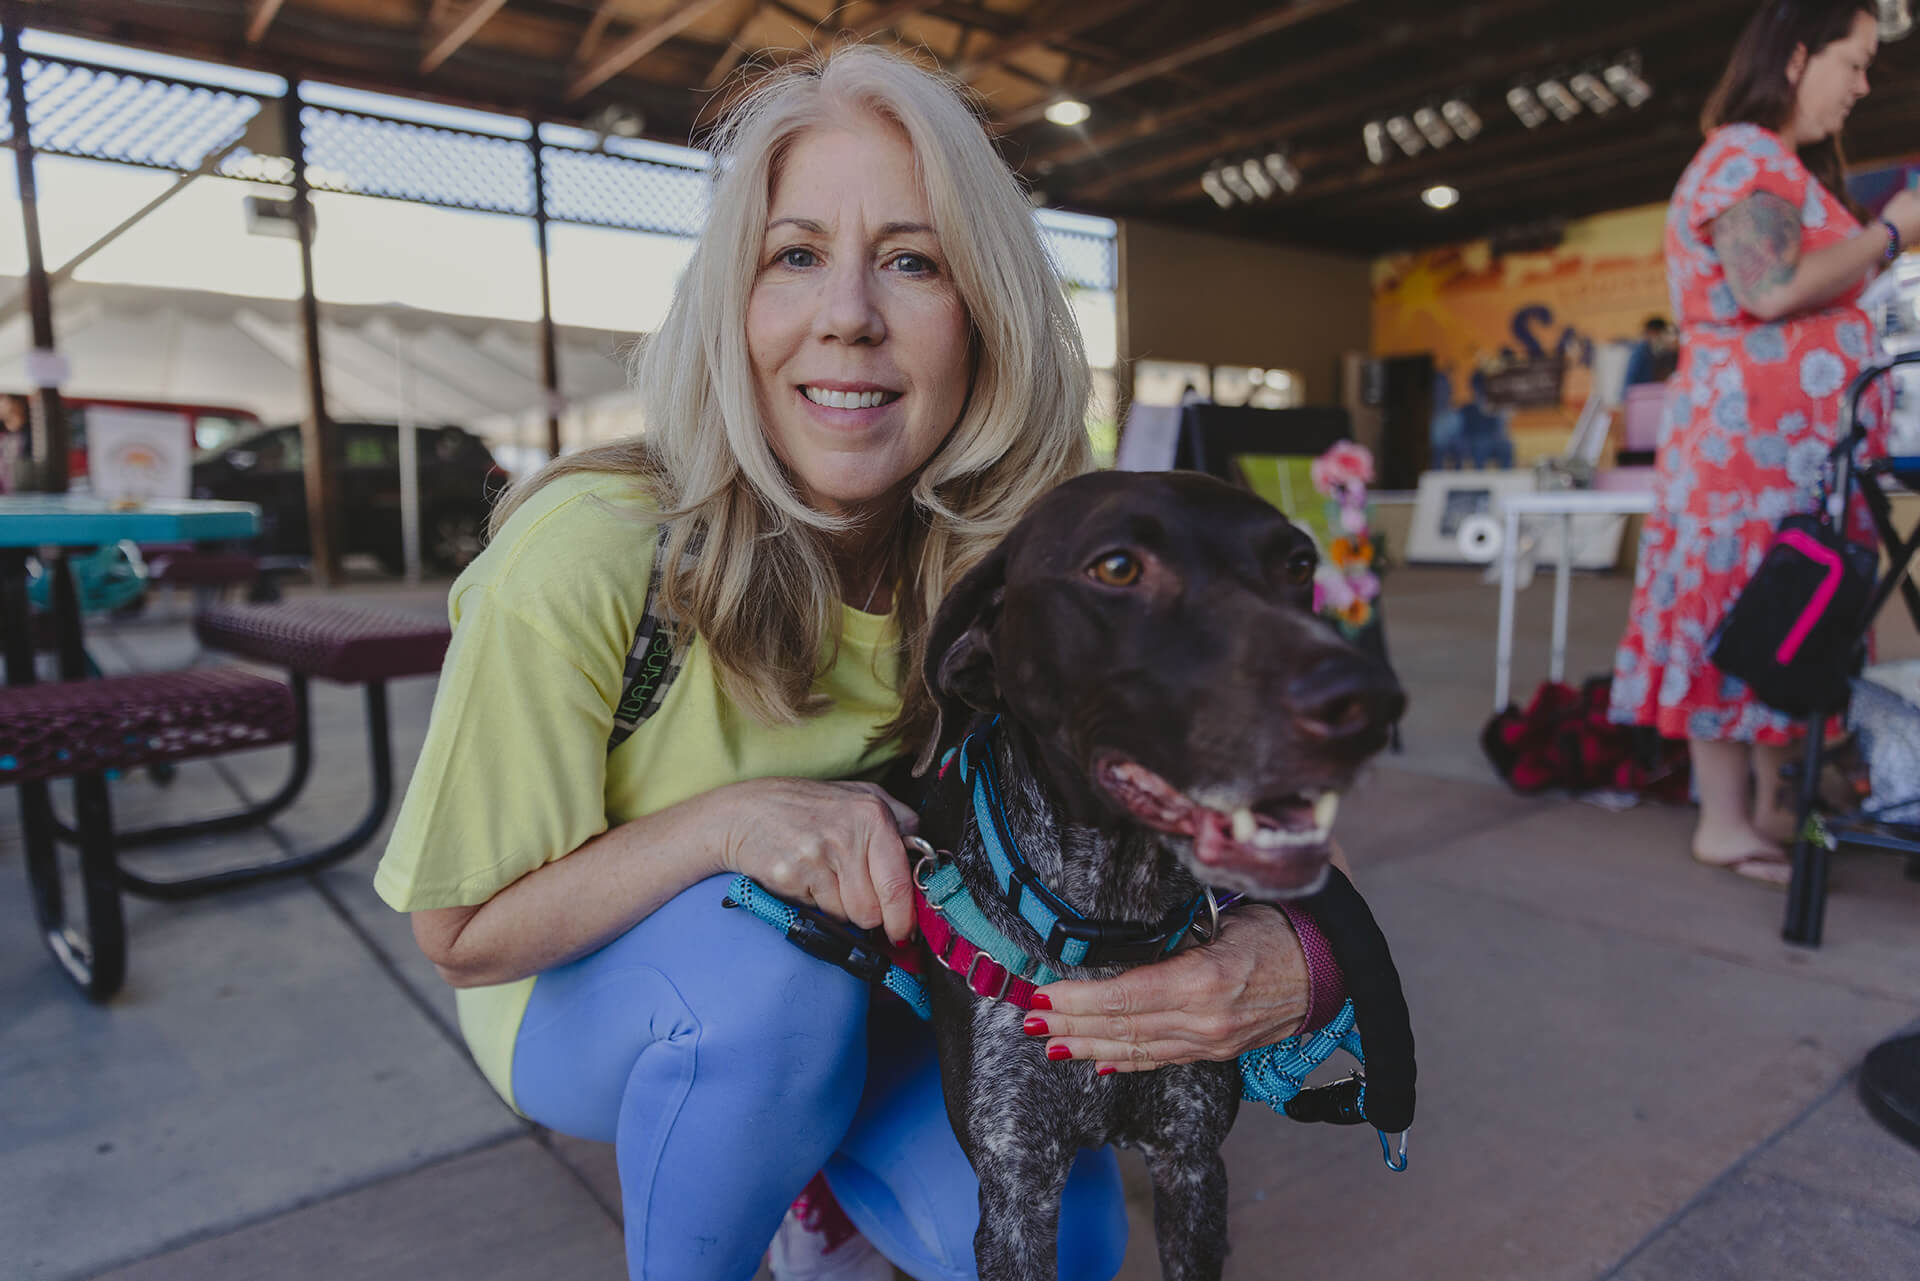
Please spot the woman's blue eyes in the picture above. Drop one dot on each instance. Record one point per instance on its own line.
(911, 264)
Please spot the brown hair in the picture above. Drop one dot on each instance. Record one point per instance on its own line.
(1754, 88)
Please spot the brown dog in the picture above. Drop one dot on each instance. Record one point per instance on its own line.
(1139, 668)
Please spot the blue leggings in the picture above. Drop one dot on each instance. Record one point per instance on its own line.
(727, 1067)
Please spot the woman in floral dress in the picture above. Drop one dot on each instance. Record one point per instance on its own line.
(1765, 263)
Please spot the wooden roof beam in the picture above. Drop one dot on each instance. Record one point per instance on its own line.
(730, 57)
(260, 16)
(1062, 20)
(596, 30)
(885, 17)
(630, 50)
(447, 31)
(1265, 24)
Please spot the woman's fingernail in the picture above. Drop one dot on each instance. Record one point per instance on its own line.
(1034, 1027)
(1040, 1001)
(1058, 1052)
(1108, 1070)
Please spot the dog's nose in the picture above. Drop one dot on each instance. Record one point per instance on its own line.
(1346, 697)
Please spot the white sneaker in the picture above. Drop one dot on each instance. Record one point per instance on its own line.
(816, 1242)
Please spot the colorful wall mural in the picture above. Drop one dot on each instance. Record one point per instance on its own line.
(1477, 312)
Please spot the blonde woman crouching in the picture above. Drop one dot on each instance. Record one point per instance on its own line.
(867, 374)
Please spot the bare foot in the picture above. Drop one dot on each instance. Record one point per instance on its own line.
(1745, 852)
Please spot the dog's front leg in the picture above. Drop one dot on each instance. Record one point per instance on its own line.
(1189, 1211)
(1020, 1189)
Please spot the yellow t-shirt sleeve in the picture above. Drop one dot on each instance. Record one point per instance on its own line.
(512, 774)
(513, 771)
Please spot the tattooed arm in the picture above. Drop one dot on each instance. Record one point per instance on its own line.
(1758, 241)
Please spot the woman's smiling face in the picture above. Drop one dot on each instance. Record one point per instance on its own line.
(857, 336)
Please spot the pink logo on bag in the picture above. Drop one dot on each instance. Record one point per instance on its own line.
(1822, 595)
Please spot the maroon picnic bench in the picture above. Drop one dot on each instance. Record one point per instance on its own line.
(82, 729)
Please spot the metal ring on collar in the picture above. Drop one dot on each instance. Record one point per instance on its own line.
(925, 866)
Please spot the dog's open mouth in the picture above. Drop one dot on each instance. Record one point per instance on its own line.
(1278, 845)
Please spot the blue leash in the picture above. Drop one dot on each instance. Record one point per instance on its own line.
(829, 941)
(1272, 1074)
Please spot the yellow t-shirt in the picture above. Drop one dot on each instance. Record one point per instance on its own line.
(515, 770)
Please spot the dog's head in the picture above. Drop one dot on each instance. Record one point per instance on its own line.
(1153, 636)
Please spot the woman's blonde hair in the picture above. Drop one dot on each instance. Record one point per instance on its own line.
(761, 588)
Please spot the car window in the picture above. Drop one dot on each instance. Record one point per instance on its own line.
(214, 431)
(370, 447)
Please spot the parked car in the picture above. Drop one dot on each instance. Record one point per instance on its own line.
(458, 480)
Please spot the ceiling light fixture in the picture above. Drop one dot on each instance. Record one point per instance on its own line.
(1462, 119)
(1441, 197)
(1896, 19)
(1256, 175)
(1237, 184)
(1068, 112)
(1216, 189)
(1554, 96)
(1526, 106)
(1598, 98)
(1623, 77)
(1401, 130)
(1376, 137)
(1432, 127)
(1247, 181)
(1281, 170)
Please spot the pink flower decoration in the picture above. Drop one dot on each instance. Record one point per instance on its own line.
(1346, 464)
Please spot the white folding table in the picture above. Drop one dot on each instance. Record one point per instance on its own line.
(1564, 504)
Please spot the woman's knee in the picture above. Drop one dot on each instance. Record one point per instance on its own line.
(768, 1023)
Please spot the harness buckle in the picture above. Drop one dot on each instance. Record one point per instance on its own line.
(1006, 975)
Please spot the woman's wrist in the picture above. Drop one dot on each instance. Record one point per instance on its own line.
(1326, 986)
(1893, 239)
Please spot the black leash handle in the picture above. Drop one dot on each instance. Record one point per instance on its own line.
(1380, 1008)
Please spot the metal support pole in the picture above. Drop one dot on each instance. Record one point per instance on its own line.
(316, 431)
(549, 358)
(50, 424)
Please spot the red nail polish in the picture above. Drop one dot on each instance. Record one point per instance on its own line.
(1108, 1070)
(1034, 1027)
(1040, 1001)
(1058, 1052)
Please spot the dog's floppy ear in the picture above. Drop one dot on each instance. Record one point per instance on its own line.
(959, 661)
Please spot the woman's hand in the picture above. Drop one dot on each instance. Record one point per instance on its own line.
(836, 846)
(1245, 989)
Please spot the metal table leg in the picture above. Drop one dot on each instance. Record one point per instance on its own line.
(1503, 651)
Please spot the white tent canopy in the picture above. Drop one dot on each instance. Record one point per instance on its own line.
(386, 363)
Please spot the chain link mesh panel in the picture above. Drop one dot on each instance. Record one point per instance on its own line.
(615, 191)
(1082, 258)
(426, 164)
(98, 113)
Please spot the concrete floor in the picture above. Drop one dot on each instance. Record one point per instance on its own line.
(1624, 1073)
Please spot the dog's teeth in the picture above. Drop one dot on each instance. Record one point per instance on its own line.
(1325, 806)
(1245, 825)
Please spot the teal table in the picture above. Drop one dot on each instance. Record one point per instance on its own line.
(81, 520)
(53, 525)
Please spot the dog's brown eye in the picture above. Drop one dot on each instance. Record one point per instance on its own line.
(1117, 570)
(1300, 567)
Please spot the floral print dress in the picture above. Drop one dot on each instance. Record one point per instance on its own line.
(1752, 411)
